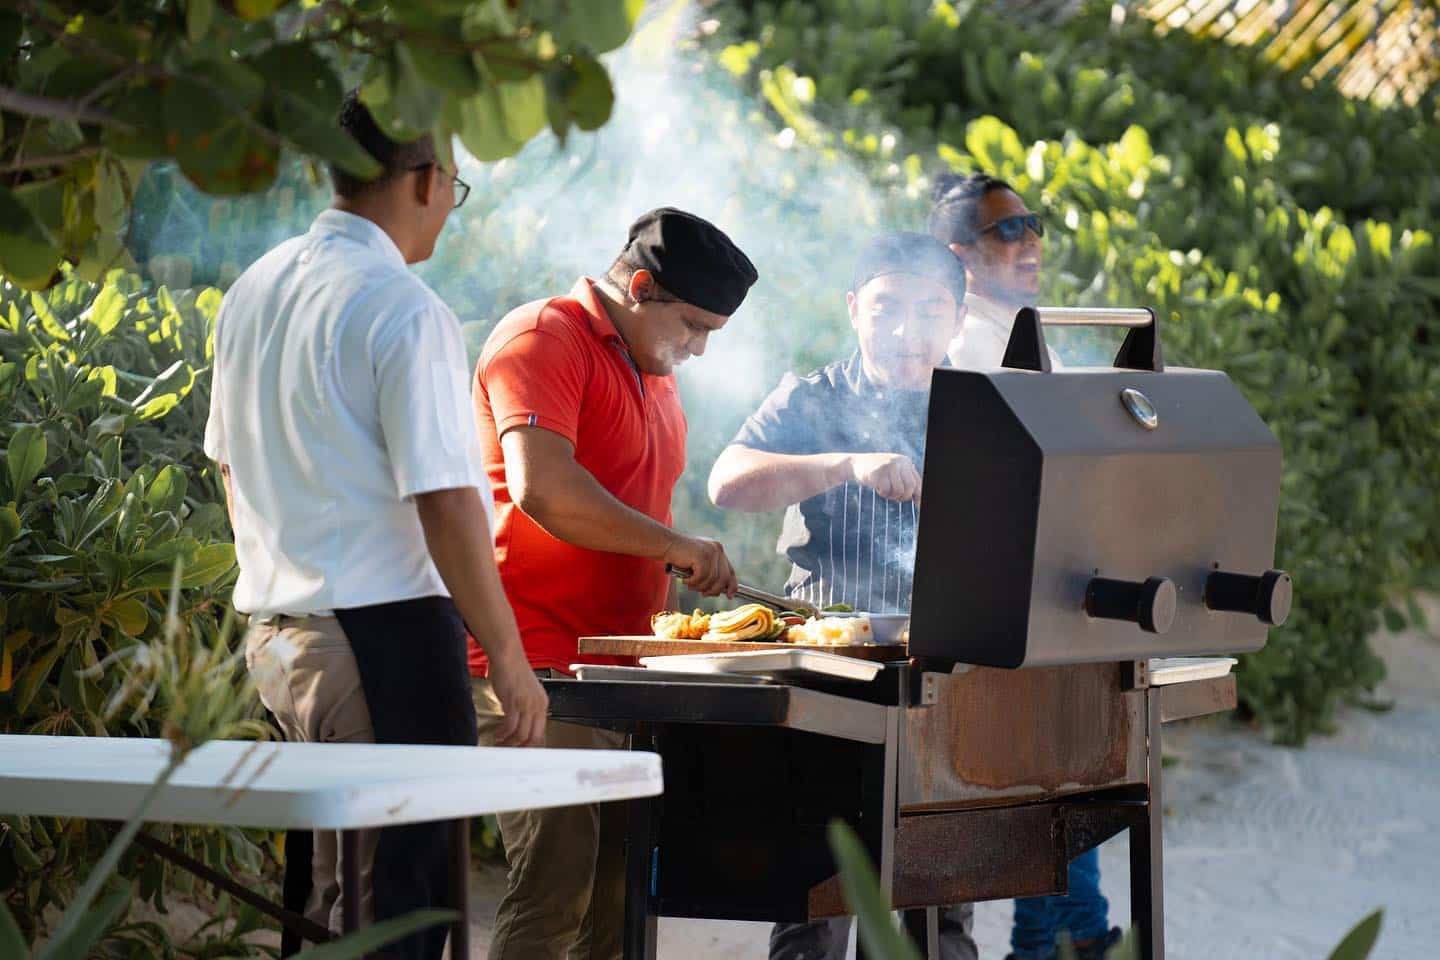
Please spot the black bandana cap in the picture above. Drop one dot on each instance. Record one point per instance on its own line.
(692, 259)
(918, 254)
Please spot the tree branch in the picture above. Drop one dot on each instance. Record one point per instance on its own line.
(33, 105)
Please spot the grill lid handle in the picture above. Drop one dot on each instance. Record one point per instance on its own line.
(1140, 351)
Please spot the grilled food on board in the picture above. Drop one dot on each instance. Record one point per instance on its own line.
(757, 623)
(680, 626)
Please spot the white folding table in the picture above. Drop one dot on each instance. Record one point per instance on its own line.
(345, 787)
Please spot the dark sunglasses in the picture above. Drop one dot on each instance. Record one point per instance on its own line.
(462, 189)
(1012, 229)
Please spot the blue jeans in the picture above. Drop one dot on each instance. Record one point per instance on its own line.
(1084, 912)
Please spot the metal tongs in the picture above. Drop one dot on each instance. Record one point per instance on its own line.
(755, 594)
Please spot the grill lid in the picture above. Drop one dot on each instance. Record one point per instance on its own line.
(1094, 514)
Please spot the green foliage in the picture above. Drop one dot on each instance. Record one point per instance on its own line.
(199, 690)
(879, 933)
(90, 98)
(1357, 944)
(104, 491)
(1216, 195)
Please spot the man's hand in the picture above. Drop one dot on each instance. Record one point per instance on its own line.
(710, 570)
(522, 700)
(891, 475)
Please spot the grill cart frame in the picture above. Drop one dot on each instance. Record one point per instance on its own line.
(948, 808)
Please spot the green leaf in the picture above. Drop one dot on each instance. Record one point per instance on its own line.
(210, 118)
(46, 201)
(26, 457)
(403, 104)
(199, 14)
(130, 616)
(12, 944)
(597, 25)
(9, 528)
(371, 938)
(175, 382)
(256, 9)
(211, 563)
(304, 91)
(522, 104)
(167, 490)
(878, 931)
(28, 256)
(583, 91)
(77, 944)
(479, 122)
(106, 310)
(1358, 943)
(453, 72)
(34, 675)
(111, 197)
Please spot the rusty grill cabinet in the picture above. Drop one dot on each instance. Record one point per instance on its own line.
(1069, 529)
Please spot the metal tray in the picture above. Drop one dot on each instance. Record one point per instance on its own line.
(594, 671)
(804, 660)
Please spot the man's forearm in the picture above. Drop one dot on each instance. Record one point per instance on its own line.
(748, 479)
(458, 538)
(571, 505)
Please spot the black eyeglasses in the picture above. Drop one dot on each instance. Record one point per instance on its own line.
(462, 189)
(1012, 229)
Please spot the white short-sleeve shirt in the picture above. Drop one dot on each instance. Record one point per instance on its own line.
(985, 334)
(340, 392)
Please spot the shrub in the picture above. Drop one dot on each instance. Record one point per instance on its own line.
(104, 489)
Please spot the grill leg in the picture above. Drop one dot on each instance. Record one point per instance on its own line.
(460, 888)
(1147, 869)
(923, 927)
(641, 927)
(350, 879)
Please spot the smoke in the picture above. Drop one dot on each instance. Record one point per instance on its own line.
(683, 133)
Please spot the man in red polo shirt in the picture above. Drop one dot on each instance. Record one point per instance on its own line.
(584, 440)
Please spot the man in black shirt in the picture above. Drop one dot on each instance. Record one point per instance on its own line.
(841, 451)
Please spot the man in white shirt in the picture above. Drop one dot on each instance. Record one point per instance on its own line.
(986, 224)
(341, 422)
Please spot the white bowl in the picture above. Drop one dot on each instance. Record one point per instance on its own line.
(885, 627)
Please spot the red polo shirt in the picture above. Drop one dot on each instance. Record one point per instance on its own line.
(560, 364)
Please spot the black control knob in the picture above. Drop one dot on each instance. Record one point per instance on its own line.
(1266, 597)
(1150, 604)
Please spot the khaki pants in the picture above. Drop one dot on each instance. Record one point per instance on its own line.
(565, 897)
(306, 676)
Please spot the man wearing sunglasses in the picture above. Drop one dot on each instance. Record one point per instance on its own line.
(987, 225)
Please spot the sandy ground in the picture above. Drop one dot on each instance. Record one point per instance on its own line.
(1270, 853)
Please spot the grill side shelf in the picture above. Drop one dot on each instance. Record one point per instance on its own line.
(612, 703)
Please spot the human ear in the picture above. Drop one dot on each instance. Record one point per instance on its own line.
(642, 285)
(850, 306)
(425, 182)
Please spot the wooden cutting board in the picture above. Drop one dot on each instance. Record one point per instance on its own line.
(659, 647)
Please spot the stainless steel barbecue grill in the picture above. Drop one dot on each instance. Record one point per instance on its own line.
(1076, 524)
(1127, 512)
